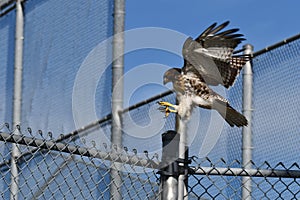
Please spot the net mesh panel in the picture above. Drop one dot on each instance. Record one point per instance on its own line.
(276, 127)
(7, 35)
(59, 37)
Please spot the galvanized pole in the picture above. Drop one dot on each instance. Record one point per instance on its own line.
(117, 96)
(17, 100)
(183, 156)
(247, 132)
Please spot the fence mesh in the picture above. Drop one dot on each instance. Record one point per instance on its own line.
(50, 168)
(223, 180)
(68, 169)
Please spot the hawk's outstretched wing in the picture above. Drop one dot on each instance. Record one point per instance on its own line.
(208, 60)
(211, 55)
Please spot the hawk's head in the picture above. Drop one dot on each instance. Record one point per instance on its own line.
(171, 74)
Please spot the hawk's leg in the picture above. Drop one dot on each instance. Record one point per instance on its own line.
(166, 109)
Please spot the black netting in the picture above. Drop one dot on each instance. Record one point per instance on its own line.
(276, 127)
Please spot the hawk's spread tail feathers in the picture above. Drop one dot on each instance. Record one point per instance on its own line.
(231, 116)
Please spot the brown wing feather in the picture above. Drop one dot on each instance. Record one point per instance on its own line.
(219, 47)
(211, 38)
(230, 69)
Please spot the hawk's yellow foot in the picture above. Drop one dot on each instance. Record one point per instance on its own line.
(167, 104)
(166, 108)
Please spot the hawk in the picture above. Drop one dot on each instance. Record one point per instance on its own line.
(208, 60)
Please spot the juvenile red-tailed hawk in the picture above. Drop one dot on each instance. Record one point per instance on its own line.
(208, 60)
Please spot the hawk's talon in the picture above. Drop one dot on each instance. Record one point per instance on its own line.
(167, 104)
(165, 110)
(165, 107)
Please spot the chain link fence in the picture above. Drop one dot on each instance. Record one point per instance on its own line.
(78, 165)
(222, 180)
(66, 168)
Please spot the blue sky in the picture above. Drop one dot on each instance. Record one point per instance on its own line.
(263, 23)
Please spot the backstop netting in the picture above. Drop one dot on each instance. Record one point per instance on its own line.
(61, 39)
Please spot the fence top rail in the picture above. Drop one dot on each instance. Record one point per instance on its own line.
(274, 173)
(276, 45)
(81, 151)
(148, 162)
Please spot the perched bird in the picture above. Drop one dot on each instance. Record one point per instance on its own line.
(208, 60)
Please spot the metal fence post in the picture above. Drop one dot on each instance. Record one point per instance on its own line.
(183, 157)
(17, 100)
(117, 96)
(247, 132)
(169, 166)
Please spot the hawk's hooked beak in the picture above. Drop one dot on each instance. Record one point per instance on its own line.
(166, 80)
